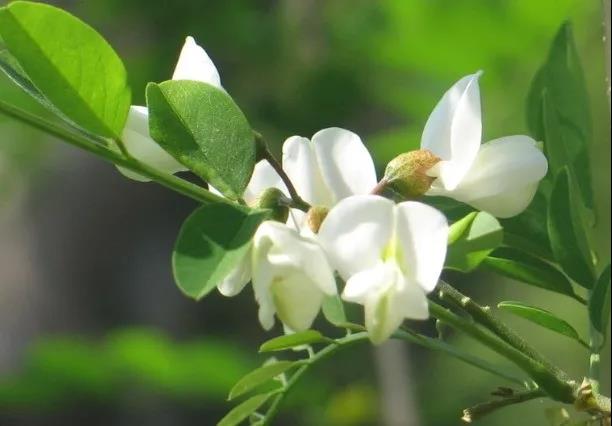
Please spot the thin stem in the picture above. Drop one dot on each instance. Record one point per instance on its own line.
(549, 380)
(484, 317)
(476, 412)
(264, 153)
(595, 343)
(380, 187)
(437, 344)
(295, 377)
(93, 145)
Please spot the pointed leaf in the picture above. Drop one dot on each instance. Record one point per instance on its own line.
(242, 411)
(566, 233)
(333, 310)
(259, 376)
(542, 318)
(289, 341)
(526, 268)
(211, 243)
(202, 127)
(70, 64)
(483, 235)
(599, 302)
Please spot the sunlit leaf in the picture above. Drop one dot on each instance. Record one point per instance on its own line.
(467, 251)
(292, 340)
(211, 243)
(242, 411)
(542, 318)
(258, 377)
(529, 269)
(202, 127)
(70, 64)
(599, 302)
(566, 233)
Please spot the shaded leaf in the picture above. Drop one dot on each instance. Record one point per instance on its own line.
(70, 64)
(542, 318)
(566, 233)
(289, 341)
(212, 241)
(242, 411)
(529, 269)
(258, 377)
(333, 310)
(202, 127)
(483, 235)
(599, 302)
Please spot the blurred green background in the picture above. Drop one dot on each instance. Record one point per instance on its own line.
(92, 328)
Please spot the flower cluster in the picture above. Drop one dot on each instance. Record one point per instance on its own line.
(390, 255)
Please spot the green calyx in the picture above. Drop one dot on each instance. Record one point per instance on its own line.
(407, 174)
(274, 200)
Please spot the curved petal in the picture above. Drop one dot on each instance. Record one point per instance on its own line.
(238, 278)
(383, 310)
(453, 131)
(264, 176)
(355, 232)
(297, 300)
(139, 144)
(300, 164)
(412, 302)
(502, 165)
(345, 163)
(195, 64)
(507, 204)
(359, 286)
(422, 233)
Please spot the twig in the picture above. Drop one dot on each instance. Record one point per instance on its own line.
(480, 410)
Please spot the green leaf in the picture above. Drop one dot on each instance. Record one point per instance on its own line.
(529, 269)
(460, 227)
(333, 310)
(13, 70)
(558, 112)
(259, 376)
(289, 341)
(482, 235)
(566, 233)
(70, 64)
(599, 302)
(202, 127)
(211, 243)
(543, 318)
(244, 410)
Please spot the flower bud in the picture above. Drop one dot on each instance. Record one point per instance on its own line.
(273, 199)
(407, 175)
(315, 217)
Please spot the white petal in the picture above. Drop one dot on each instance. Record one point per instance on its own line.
(139, 144)
(238, 278)
(422, 234)
(300, 164)
(264, 176)
(365, 283)
(454, 129)
(195, 64)
(506, 171)
(355, 232)
(412, 301)
(383, 312)
(507, 204)
(345, 163)
(297, 300)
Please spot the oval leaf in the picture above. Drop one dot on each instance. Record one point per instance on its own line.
(211, 243)
(70, 63)
(259, 377)
(566, 233)
(202, 127)
(483, 235)
(542, 318)
(599, 302)
(289, 341)
(242, 411)
(333, 310)
(529, 269)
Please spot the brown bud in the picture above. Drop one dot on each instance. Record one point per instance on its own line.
(315, 217)
(272, 199)
(407, 175)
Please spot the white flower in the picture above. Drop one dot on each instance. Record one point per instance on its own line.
(500, 177)
(193, 64)
(390, 256)
(290, 274)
